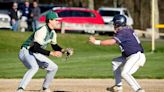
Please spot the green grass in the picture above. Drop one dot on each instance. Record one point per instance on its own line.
(88, 61)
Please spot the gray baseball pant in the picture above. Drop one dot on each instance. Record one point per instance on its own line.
(34, 61)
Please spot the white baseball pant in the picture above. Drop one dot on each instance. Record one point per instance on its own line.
(125, 67)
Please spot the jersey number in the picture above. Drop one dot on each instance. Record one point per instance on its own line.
(136, 38)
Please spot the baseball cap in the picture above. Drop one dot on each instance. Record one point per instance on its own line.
(51, 15)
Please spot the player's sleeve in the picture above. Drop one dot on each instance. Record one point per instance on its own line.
(36, 48)
(56, 47)
(54, 44)
(120, 38)
(54, 39)
(39, 36)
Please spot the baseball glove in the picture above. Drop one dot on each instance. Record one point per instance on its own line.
(68, 52)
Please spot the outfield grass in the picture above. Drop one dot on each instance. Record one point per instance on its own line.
(88, 61)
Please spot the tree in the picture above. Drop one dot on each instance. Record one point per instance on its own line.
(91, 4)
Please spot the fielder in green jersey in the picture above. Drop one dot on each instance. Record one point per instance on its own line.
(34, 55)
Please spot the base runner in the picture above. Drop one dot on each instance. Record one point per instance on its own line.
(132, 54)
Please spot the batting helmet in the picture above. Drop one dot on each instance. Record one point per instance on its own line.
(119, 20)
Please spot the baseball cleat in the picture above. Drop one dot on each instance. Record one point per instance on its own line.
(20, 90)
(140, 90)
(115, 89)
(47, 90)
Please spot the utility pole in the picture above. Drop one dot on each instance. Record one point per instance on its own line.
(155, 21)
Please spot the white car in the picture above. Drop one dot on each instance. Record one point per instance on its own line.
(5, 21)
(108, 13)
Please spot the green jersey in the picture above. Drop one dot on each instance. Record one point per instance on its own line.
(43, 36)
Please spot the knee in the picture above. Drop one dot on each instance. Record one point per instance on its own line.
(124, 75)
(35, 68)
(115, 65)
(54, 67)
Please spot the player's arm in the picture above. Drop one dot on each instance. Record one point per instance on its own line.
(54, 44)
(38, 41)
(56, 47)
(59, 49)
(102, 42)
(108, 42)
(37, 48)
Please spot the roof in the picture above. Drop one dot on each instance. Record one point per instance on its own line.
(71, 8)
(111, 8)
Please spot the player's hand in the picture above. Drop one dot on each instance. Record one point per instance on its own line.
(92, 39)
(56, 53)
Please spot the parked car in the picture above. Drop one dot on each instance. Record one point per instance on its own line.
(108, 13)
(4, 19)
(75, 15)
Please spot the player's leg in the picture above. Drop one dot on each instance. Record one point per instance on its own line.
(50, 66)
(51, 71)
(116, 64)
(130, 67)
(29, 61)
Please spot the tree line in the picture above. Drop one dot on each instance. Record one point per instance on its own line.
(140, 9)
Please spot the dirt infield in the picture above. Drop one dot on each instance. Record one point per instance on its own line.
(80, 85)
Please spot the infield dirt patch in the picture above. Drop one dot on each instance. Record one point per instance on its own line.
(80, 85)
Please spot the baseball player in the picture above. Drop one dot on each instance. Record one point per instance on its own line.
(132, 54)
(34, 55)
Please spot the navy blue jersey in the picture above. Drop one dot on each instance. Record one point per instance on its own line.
(128, 41)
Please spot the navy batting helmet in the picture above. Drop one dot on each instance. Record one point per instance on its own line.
(119, 20)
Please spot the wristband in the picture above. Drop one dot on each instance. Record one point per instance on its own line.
(97, 42)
